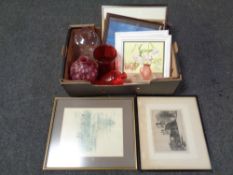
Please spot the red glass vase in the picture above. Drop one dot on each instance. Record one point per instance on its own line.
(105, 56)
(84, 68)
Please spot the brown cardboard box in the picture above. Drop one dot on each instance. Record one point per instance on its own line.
(83, 88)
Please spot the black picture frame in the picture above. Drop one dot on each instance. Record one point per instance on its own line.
(196, 156)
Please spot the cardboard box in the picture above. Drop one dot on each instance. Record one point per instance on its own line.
(83, 88)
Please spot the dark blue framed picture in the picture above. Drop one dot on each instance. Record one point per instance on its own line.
(116, 23)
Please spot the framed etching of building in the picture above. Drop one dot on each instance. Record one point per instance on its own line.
(91, 133)
(171, 134)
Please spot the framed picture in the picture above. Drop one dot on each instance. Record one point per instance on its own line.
(171, 134)
(91, 133)
(117, 23)
(144, 55)
(154, 13)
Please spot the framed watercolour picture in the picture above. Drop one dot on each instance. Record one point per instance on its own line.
(144, 55)
(117, 23)
(171, 134)
(154, 13)
(91, 133)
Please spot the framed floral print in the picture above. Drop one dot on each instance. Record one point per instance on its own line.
(144, 55)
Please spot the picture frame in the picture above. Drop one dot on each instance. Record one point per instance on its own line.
(139, 49)
(117, 23)
(94, 133)
(171, 134)
(152, 12)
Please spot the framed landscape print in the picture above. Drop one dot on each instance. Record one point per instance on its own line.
(171, 134)
(147, 12)
(91, 133)
(144, 55)
(117, 23)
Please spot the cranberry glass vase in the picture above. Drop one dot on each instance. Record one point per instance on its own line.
(84, 68)
(105, 56)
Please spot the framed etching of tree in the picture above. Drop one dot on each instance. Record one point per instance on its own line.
(171, 134)
(91, 133)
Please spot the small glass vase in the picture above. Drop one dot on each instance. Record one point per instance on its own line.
(105, 56)
(86, 40)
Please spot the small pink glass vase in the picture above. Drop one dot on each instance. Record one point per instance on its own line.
(146, 72)
(84, 68)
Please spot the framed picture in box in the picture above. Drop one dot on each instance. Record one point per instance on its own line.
(91, 133)
(140, 50)
(171, 134)
(154, 13)
(117, 23)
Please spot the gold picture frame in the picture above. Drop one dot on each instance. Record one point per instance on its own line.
(91, 134)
